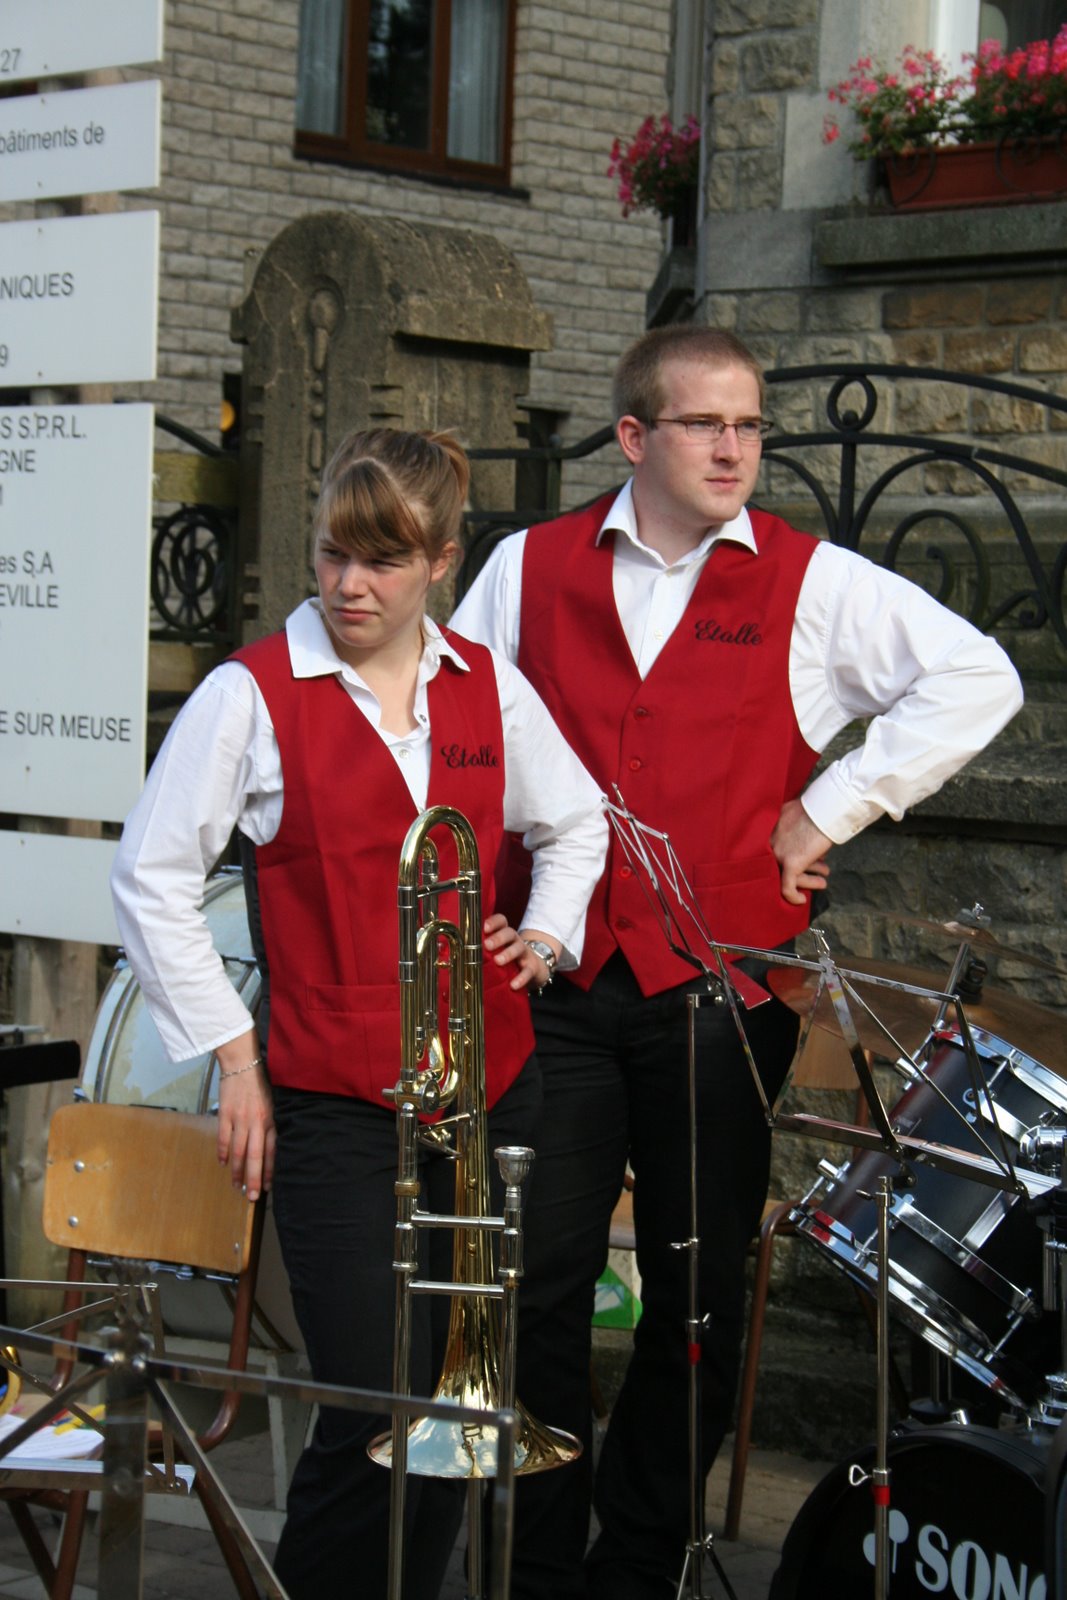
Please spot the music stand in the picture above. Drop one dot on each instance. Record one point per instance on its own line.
(677, 909)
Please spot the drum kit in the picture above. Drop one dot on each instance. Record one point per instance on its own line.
(972, 1266)
(951, 1207)
(952, 1210)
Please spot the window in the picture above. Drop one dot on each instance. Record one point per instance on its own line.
(419, 85)
(1017, 22)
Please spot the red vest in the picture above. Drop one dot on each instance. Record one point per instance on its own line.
(328, 880)
(706, 748)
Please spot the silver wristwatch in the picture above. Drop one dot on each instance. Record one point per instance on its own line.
(546, 952)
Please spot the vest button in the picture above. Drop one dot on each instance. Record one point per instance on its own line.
(642, 711)
(623, 924)
(635, 764)
(626, 872)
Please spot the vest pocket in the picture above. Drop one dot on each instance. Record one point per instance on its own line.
(360, 998)
(738, 897)
(759, 868)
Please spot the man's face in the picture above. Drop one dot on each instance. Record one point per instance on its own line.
(695, 485)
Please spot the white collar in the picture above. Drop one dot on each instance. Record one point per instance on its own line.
(622, 518)
(312, 655)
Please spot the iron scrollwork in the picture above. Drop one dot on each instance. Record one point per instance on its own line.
(886, 517)
(192, 563)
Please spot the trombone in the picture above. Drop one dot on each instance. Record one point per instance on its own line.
(443, 1067)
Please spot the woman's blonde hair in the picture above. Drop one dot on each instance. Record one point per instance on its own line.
(388, 492)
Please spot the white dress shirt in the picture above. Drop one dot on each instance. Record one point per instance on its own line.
(865, 643)
(220, 768)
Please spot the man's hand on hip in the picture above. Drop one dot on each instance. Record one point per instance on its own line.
(800, 850)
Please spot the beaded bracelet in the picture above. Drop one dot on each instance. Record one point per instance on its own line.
(237, 1071)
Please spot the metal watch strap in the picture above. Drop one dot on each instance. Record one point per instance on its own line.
(545, 951)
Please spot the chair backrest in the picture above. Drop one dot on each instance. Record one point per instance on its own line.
(144, 1183)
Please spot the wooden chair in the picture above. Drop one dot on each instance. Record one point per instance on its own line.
(823, 1064)
(144, 1184)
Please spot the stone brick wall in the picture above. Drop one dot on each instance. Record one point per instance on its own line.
(760, 50)
(585, 71)
(800, 257)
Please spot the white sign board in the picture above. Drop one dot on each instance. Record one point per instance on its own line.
(46, 38)
(81, 142)
(75, 535)
(55, 887)
(78, 299)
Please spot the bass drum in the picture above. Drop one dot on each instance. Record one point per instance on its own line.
(965, 1259)
(125, 1064)
(967, 1519)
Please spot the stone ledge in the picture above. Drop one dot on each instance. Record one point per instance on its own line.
(917, 239)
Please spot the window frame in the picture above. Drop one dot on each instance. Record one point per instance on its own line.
(350, 148)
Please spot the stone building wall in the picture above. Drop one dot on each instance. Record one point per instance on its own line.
(800, 255)
(585, 71)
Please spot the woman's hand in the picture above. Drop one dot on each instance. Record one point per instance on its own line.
(246, 1116)
(506, 946)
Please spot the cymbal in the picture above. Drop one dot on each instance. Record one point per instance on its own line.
(1042, 1034)
(978, 936)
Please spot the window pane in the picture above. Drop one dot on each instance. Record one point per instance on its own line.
(475, 80)
(320, 72)
(400, 73)
(1018, 22)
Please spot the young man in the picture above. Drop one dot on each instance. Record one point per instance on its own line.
(699, 655)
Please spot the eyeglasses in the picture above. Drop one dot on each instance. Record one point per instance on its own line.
(707, 430)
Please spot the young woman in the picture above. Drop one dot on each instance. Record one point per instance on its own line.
(321, 744)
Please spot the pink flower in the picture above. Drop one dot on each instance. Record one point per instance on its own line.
(658, 167)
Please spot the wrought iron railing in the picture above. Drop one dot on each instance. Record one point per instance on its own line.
(866, 485)
(988, 540)
(193, 570)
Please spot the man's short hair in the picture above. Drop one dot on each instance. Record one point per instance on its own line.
(637, 390)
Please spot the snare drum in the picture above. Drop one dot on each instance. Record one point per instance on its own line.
(125, 1063)
(967, 1519)
(965, 1259)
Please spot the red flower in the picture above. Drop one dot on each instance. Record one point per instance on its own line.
(658, 167)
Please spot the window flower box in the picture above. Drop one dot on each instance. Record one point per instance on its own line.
(1001, 172)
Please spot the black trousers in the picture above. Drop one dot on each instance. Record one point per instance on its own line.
(615, 1073)
(335, 1210)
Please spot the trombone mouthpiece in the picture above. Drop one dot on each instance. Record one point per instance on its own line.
(514, 1161)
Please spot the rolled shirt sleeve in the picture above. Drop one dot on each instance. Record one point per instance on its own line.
(552, 801)
(201, 783)
(867, 643)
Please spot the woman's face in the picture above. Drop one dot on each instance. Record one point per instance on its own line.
(371, 603)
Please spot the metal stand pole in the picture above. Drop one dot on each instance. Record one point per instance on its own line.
(405, 1265)
(701, 1542)
(879, 1475)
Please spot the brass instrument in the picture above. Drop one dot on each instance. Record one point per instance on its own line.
(443, 1067)
(10, 1379)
